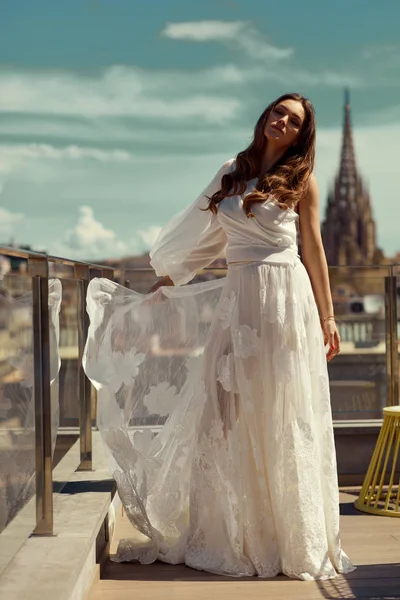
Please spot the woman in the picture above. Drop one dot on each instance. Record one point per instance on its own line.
(241, 477)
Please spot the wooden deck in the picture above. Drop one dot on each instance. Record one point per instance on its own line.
(372, 542)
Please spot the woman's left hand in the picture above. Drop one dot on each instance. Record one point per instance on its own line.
(331, 337)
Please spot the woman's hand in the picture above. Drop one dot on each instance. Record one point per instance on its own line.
(152, 297)
(163, 281)
(331, 337)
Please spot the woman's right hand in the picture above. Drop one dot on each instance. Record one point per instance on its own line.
(163, 281)
(331, 337)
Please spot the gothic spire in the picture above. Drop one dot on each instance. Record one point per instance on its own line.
(348, 231)
(347, 177)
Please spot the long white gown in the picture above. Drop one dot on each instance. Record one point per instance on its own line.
(213, 400)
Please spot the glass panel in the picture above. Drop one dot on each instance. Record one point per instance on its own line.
(69, 393)
(55, 295)
(17, 415)
(17, 401)
(358, 373)
(69, 350)
(68, 431)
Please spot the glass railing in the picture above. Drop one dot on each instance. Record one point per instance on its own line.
(17, 403)
(45, 394)
(43, 390)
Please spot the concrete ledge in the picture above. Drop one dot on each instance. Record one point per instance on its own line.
(62, 567)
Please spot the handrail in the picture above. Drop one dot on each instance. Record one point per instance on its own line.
(21, 253)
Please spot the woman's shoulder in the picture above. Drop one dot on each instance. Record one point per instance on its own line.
(310, 196)
(229, 165)
(312, 187)
(312, 180)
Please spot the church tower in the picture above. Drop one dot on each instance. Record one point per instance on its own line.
(348, 231)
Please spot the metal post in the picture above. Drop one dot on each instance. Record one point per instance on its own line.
(38, 268)
(123, 280)
(82, 274)
(392, 364)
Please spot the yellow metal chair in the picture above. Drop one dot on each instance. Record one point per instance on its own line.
(380, 492)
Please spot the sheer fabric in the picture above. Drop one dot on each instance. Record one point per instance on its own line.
(213, 400)
(192, 239)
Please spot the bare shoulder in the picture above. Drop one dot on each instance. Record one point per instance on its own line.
(310, 198)
(312, 188)
(309, 219)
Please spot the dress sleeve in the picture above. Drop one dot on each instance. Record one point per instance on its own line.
(192, 239)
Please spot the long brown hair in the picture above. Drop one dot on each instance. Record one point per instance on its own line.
(288, 179)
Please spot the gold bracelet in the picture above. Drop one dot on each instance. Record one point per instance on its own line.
(327, 318)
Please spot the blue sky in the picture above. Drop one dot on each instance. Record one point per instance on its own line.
(115, 114)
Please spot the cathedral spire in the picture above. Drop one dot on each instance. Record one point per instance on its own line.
(348, 231)
(347, 178)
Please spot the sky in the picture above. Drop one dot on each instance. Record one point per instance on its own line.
(115, 114)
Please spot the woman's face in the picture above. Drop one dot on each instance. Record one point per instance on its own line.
(284, 123)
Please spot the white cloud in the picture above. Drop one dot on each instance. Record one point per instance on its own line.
(149, 235)
(241, 33)
(105, 130)
(172, 95)
(119, 91)
(245, 36)
(298, 76)
(14, 156)
(91, 239)
(203, 31)
(381, 51)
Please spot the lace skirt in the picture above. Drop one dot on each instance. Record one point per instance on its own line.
(213, 401)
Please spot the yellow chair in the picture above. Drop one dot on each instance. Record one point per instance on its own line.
(380, 492)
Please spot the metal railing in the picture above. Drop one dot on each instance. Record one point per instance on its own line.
(38, 270)
(83, 272)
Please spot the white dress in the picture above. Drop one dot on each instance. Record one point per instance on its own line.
(240, 478)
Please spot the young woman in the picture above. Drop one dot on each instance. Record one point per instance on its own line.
(241, 476)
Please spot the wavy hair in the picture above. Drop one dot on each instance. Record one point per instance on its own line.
(287, 181)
